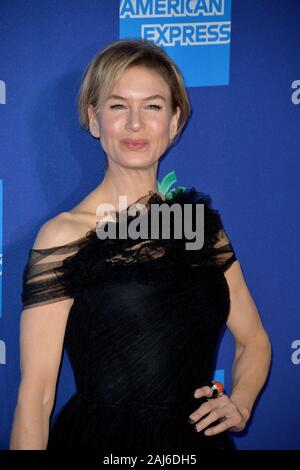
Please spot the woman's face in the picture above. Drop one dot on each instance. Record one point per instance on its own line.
(131, 115)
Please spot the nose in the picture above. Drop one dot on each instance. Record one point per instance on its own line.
(134, 120)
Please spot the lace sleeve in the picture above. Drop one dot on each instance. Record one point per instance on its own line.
(43, 281)
(223, 252)
(217, 248)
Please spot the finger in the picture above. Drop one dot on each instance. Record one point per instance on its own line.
(205, 391)
(213, 416)
(203, 410)
(221, 427)
(207, 407)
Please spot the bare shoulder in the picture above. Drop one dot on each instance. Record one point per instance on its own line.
(64, 228)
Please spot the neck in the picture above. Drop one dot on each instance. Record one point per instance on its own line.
(112, 188)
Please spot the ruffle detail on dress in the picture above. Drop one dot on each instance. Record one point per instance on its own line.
(97, 258)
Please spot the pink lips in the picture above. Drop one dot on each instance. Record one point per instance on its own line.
(135, 144)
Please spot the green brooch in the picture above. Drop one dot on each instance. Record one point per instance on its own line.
(164, 186)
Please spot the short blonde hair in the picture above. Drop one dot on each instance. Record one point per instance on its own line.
(107, 67)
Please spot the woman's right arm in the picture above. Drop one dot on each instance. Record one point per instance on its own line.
(42, 331)
(41, 343)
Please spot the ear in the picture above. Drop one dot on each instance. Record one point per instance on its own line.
(93, 123)
(174, 123)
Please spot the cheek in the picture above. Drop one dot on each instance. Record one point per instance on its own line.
(110, 126)
(160, 126)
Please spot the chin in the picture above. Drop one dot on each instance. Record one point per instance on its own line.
(138, 163)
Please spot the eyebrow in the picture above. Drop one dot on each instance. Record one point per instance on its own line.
(152, 97)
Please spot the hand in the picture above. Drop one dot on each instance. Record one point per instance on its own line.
(232, 417)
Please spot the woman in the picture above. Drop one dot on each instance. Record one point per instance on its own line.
(140, 320)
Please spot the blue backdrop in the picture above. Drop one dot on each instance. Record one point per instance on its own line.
(240, 146)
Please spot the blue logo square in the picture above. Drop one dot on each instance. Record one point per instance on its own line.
(195, 34)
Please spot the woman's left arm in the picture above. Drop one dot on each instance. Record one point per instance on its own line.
(251, 364)
(253, 348)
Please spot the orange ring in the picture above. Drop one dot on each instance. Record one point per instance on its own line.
(217, 389)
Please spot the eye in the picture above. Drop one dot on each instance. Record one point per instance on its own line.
(156, 106)
(115, 106)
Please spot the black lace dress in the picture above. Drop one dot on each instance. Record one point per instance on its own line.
(142, 331)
